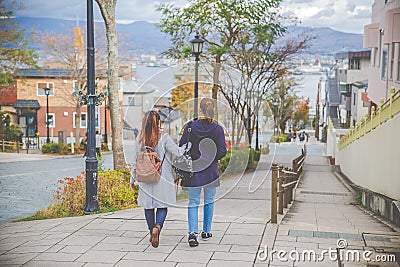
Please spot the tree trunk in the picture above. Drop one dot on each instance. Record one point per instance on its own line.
(217, 69)
(107, 8)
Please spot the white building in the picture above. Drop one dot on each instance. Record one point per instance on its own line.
(383, 37)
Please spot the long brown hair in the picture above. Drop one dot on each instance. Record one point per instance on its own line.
(207, 108)
(150, 129)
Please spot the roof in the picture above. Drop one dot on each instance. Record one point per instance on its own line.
(333, 92)
(45, 72)
(128, 127)
(33, 104)
(365, 98)
(8, 95)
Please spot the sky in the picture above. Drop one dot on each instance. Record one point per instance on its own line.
(342, 15)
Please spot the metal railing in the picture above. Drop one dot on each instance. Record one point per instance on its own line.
(385, 112)
(284, 182)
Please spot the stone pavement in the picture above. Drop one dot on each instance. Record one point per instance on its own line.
(323, 213)
(240, 228)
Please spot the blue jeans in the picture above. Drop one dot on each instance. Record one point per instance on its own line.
(157, 218)
(193, 209)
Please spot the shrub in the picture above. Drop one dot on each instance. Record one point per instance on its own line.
(238, 160)
(69, 198)
(280, 138)
(54, 148)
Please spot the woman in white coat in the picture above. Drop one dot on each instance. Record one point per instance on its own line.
(155, 198)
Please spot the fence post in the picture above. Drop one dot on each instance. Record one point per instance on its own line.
(372, 117)
(380, 110)
(285, 192)
(274, 216)
(2, 146)
(281, 176)
(17, 146)
(392, 92)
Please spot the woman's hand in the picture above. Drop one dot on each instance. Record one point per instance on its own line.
(132, 186)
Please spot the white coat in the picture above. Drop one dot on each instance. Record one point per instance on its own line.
(163, 193)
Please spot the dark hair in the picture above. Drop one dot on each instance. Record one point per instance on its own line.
(150, 129)
(207, 108)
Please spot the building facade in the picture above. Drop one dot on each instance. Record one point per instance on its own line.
(352, 75)
(31, 105)
(382, 36)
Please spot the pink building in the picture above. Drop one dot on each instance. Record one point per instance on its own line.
(383, 37)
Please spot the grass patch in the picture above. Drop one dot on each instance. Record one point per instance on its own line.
(69, 198)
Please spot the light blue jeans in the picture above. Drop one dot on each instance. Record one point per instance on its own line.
(193, 209)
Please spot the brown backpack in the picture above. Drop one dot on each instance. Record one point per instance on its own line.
(148, 166)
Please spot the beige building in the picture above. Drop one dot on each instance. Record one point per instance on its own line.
(352, 75)
(383, 37)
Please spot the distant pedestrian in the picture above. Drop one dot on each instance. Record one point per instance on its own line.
(294, 136)
(84, 144)
(290, 135)
(98, 144)
(205, 165)
(135, 132)
(155, 198)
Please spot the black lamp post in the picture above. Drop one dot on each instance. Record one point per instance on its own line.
(47, 93)
(257, 146)
(91, 100)
(275, 103)
(197, 47)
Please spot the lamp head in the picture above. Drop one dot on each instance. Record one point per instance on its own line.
(197, 45)
(47, 91)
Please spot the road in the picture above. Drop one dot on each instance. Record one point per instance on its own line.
(28, 186)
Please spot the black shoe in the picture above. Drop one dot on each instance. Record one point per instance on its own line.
(205, 236)
(193, 240)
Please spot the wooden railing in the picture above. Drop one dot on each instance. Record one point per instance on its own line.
(284, 181)
(5, 144)
(385, 112)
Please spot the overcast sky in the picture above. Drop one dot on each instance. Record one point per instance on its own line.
(343, 15)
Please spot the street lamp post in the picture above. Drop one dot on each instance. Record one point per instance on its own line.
(197, 47)
(47, 93)
(275, 107)
(169, 115)
(257, 147)
(91, 99)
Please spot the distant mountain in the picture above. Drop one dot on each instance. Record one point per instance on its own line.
(144, 38)
(329, 41)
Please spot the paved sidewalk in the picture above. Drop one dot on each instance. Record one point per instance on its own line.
(240, 228)
(121, 239)
(323, 213)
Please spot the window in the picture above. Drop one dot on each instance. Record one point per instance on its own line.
(391, 62)
(83, 120)
(355, 63)
(75, 86)
(398, 63)
(40, 88)
(384, 66)
(135, 101)
(52, 120)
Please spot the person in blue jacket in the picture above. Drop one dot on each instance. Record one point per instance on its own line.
(208, 146)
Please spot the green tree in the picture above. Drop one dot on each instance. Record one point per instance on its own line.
(286, 99)
(220, 23)
(14, 52)
(107, 8)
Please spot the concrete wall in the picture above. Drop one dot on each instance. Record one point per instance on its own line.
(373, 161)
